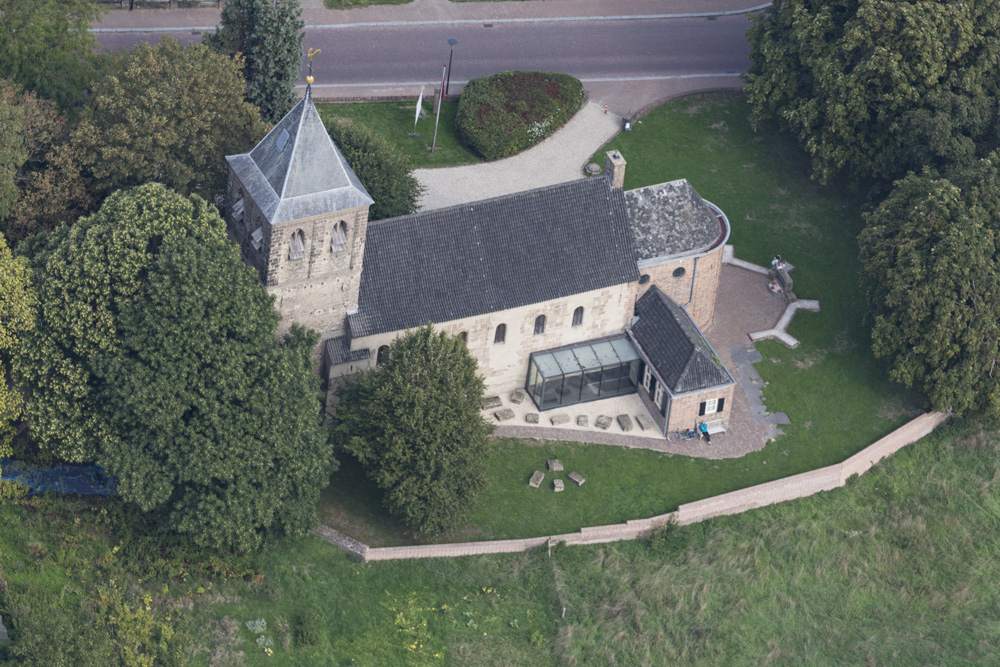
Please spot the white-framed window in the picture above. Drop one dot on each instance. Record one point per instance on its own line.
(660, 396)
(257, 238)
(647, 379)
(711, 406)
(297, 246)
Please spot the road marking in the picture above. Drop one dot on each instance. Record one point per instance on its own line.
(607, 79)
(390, 24)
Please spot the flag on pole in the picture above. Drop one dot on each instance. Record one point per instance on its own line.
(420, 100)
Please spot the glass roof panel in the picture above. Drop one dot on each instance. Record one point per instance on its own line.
(567, 361)
(606, 353)
(586, 357)
(547, 365)
(625, 349)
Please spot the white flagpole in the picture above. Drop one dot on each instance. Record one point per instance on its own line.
(420, 101)
(444, 71)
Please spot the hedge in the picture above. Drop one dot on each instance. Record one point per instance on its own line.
(503, 114)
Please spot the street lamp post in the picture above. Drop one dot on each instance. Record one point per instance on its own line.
(451, 55)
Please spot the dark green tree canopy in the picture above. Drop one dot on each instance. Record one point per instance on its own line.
(45, 46)
(876, 89)
(155, 354)
(414, 425)
(269, 35)
(930, 253)
(383, 170)
(168, 115)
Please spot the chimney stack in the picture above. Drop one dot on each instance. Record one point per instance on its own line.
(614, 165)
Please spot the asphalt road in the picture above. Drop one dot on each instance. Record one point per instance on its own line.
(386, 55)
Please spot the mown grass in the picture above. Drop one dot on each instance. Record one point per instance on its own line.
(899, 567)
(835, 393)
(393, 121)
(351, 4)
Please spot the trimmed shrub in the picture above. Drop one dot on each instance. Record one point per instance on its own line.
(503, 114)
(307, 629)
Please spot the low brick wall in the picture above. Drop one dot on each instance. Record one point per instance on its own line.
(789, 488)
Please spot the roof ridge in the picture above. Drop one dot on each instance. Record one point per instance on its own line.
(295, 146)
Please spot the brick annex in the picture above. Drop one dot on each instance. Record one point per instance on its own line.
(574, 292)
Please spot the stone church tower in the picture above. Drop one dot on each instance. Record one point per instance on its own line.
(300, 215)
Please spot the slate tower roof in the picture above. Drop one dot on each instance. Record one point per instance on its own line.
(671, 218)
(674, 345)
(296, 171)
(493, 255)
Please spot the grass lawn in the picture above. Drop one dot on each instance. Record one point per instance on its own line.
(393, 121)
(351, 4)
(835, 393)
(899, 567)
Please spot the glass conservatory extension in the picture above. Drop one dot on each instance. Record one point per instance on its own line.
(585, 372)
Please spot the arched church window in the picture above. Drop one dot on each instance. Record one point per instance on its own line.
(539, 325)
(501, 333)
(339, 237)
(578, 316)
(464, 336)
(297, 247)
(383, 355)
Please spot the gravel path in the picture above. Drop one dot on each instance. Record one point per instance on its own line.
(558, 159)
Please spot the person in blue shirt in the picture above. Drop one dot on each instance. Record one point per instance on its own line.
(704, 432)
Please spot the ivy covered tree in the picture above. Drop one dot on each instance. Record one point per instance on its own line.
(414, 425)
(167, 114)
(383, 170)
(46, 46)
(930, 253)
(41, 183)
(155, 355)
(876, 89)
(269, 35)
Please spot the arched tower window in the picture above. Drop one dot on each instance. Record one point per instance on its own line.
(539, 325)
(383, 355)
(297, 247)
(501, 333)
(339, 237)
(578, 316)
(464, 336)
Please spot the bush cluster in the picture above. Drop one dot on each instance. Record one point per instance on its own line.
(503, 114)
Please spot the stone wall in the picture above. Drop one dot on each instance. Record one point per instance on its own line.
(790, 488)
(505, 365)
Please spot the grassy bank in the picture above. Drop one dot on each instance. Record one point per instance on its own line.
(393, 121)
(899, 567)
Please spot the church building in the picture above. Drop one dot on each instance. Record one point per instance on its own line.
(573, 292)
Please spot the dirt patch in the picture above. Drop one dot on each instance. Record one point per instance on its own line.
(843, 343)
(896, 408)
(811, 360)
(721, 125)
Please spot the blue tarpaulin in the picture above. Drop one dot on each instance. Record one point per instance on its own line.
(87, 480)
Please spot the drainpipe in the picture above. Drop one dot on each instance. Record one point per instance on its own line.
(694, 274)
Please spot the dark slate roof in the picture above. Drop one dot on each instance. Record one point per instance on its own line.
(674, 345)
(670, 218)
(493, 255)
(338, 351)
(306, 176)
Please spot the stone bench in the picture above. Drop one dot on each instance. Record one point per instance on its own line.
(716, 426)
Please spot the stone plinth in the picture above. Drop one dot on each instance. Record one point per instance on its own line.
(643, 422)
(531, 418)
(517, 396)
(603, 422)
(554, 464)
(536, 479)
(491, 402)
(576, 478)
(557, 485)
(583, 420)
(559, 419)
(504, 414)
(625, 422)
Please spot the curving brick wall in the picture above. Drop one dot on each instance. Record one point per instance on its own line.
(789, 488)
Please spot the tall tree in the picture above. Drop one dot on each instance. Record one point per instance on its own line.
(414, 424)
(16, 317)
(45, 46)
(930, 254)
(383, 170)
(876, 88)
(169, 115)
(41, 184)
(155, 354)
(269, 35)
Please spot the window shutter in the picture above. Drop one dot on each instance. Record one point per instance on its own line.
(722, 402)
(701, 410)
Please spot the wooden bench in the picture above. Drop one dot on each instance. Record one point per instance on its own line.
(717, 426)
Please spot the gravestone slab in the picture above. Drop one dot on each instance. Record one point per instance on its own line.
(536, 479)
(531, 418)
(517, 396)
(603, 422)
(576, 478)
(559, 419)
(491, 402)
(504, 414)
(642, 422)
(625, 422)
(582, 420)
(554, 464)
(557, 485)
